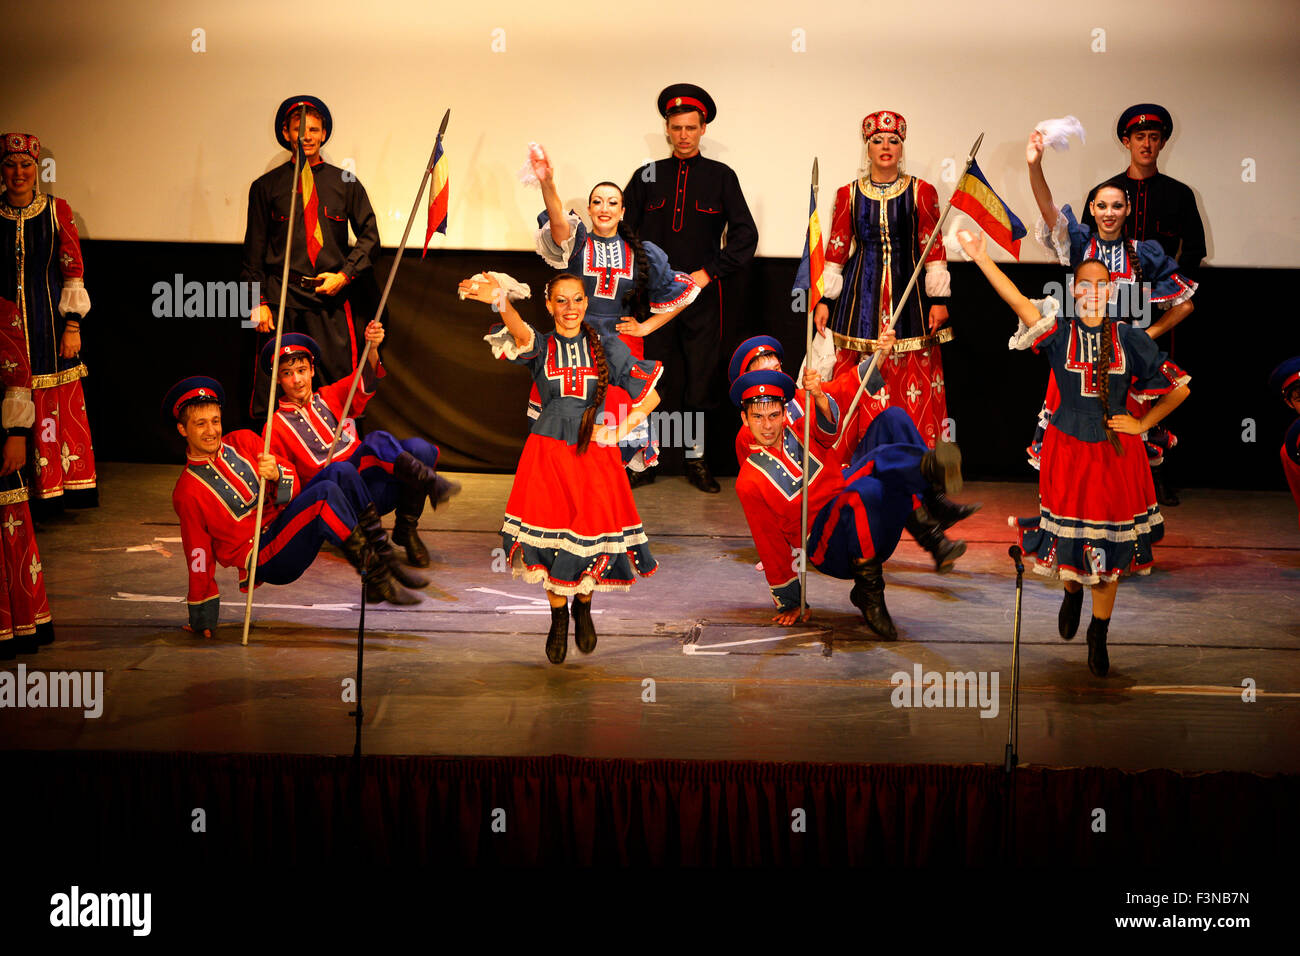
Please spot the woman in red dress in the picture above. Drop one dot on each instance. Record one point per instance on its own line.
(571, 522)
(1098, 516)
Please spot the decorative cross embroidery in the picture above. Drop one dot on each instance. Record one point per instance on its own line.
(837, 243)
(570, 375)
(35, 570)
(606, 263)
(912, 392)
(68, 457)
(12, 523)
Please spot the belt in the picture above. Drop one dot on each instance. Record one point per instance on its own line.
(868, 346)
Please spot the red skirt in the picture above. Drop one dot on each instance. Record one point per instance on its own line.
(1098, 516)
(571, 521)
(913, 382)
(24, 608)
(63, 455)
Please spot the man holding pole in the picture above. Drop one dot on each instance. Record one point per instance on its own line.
(400, 474)
(216, 499)
(858, 511)
(330, 286)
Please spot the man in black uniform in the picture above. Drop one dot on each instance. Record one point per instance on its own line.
(1163, 209)
(330, 286)
(684, 205)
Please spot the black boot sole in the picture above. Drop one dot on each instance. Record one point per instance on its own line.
(883, 628)
(944, 564)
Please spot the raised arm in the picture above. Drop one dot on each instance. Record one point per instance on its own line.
(1037, 181)
(976, 248)
(551, 196)
(485, 288)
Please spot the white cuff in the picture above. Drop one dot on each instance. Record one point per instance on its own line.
(514, 289)
(1027, 335)
(503, 343)
(556, 254)
(18, 410)
(822, 357)
(832, 280)
(1057, 239)
(74, 298)
(937, 281)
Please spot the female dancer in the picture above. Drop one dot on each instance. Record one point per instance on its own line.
(881, 223)
(570, 521)
(42, 274)
(1098, 515)
(627, 281)
(1132, 264)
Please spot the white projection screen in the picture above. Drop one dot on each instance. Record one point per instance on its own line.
(157, 116)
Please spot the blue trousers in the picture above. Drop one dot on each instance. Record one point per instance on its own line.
(374, 459)
(865, 520)
(320, 513)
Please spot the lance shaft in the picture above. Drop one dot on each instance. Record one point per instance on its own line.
(388, 286)
(808, 412)
(298, 157)
(920, 264)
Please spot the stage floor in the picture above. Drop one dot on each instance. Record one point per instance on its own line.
(464, 673)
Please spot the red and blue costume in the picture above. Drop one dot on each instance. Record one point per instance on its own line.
(42, 274)
(216, 501)
(857, 511)
(25, 620)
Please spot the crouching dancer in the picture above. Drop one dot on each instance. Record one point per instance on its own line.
(857, 511)
(399, 473)
(215, 499)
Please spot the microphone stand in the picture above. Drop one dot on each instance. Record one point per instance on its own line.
(1011, 755)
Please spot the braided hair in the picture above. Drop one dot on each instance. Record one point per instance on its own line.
(597, 351)
(1103, 361)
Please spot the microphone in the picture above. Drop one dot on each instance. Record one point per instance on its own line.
(1016, 554)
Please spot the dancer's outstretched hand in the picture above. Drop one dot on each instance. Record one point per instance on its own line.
(973, 244)
(1034, 148)
(481, 288)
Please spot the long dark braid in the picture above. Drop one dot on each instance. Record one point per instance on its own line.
(597, 351)
(1103, 361)
(637, 301)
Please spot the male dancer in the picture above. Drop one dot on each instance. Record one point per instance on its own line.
(328, 282)
(684, 205)
(934, 513)
(857, 513)
(216, 500)
(399, 474)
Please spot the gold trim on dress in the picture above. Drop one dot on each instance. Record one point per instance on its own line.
(867, 346)
(894, 189)
(14, 496)
(55, 379)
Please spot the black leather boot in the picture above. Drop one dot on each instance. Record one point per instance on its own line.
(868, 596)
(636, 479)
(929, 535)
(948, 512)
(1166, 497)
(1067, 621)
(380, 585)
(697, 473)
(584, 631)
(942, 467)
(557, 641)
(1098, 658)
(373, 526)
(406, 526)
(413, 473)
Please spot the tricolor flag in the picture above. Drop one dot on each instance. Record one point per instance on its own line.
(437, 197)
(310, 209)
(809, 275)
(976, 198)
